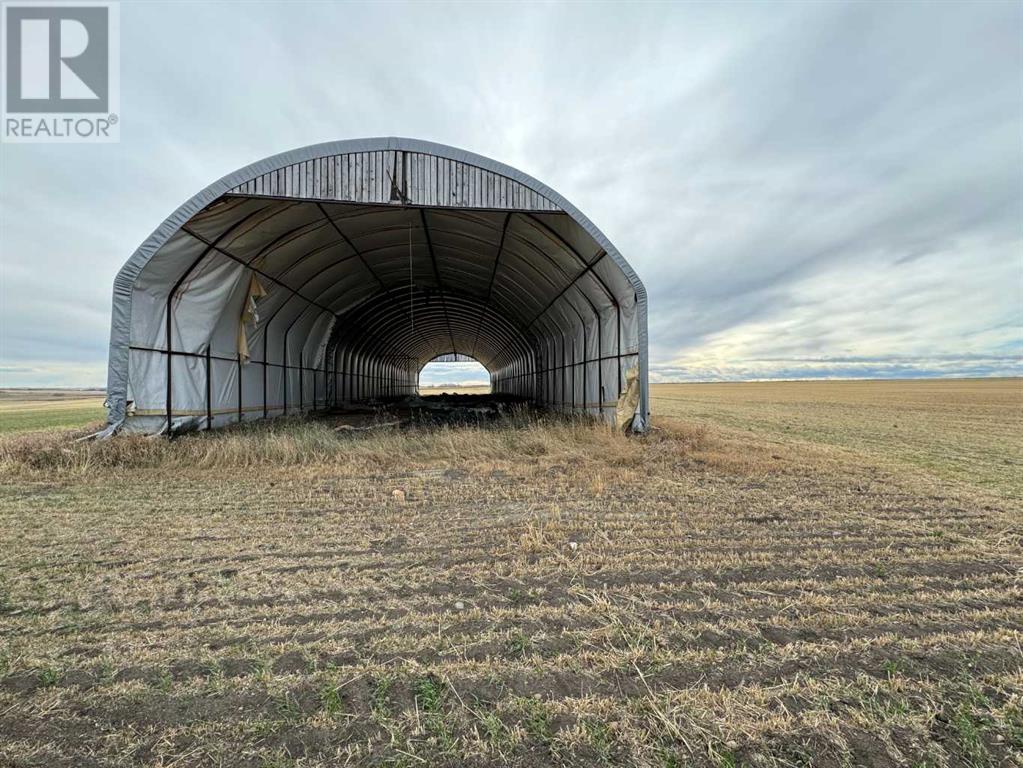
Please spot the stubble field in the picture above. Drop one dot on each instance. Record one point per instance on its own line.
(801, 574)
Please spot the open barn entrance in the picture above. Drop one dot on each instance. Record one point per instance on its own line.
(454, 374)
(331, 275)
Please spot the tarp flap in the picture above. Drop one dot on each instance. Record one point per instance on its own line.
(628, 401)
(250, 316)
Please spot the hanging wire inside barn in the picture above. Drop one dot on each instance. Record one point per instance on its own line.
(411, 302)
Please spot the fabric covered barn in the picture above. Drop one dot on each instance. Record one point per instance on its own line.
(332, 274)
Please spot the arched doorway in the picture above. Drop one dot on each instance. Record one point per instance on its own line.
(458, 374)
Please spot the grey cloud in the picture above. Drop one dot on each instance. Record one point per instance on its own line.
(792, 182)
(847, 368)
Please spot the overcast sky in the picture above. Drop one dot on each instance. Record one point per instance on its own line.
(806, 190)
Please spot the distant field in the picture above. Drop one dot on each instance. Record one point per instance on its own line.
(779, 575)
(35, 409)
(967, 430)
(480, 390)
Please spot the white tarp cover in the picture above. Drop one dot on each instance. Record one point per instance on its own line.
(278, 303)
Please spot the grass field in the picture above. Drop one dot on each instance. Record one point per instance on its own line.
(967, 430)
(30, 409)
(825, 574)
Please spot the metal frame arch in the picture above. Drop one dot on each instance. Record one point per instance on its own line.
(387, 323)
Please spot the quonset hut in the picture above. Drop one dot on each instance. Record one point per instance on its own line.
(333, 273)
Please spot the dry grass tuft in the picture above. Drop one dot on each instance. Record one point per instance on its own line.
(305, 442)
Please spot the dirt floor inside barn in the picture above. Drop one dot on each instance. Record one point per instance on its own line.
(820, 574)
